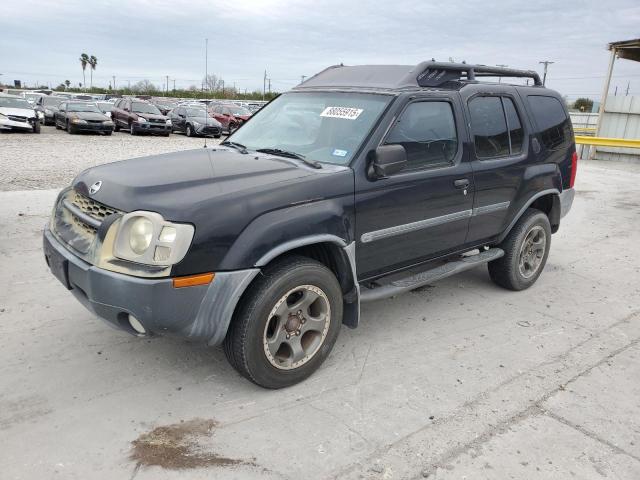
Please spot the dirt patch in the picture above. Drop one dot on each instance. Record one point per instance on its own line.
(178, 447)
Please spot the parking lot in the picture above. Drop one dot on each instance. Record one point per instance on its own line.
(460, 379)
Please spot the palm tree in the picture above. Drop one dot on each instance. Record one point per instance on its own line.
(93, 63)
(67, 83)
(84, 61)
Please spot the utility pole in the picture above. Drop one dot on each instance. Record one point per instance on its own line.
(302, 77)
(167, 84)
(114, 83)
(546, 64)
(174, 85)
(129, 84)
(206, 61)
(269, 86)
(501, 65)
(264, 84)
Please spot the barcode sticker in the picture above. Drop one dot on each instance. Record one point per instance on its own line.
(347, 113)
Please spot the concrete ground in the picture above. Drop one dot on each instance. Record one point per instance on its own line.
(458, 380)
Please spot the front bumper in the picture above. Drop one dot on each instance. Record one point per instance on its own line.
(208, 130)
(91, 127)
(12, 125)
(566, 201)
(201, 313)
(149, 127)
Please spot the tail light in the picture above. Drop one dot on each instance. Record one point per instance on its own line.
(574, 169)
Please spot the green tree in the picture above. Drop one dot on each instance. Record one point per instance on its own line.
(583, 104)
(84, 61)
(93, 63)
(67, 83)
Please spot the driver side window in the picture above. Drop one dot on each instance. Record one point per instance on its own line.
(427, 131)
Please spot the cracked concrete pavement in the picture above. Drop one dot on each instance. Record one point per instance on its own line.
(461, 380)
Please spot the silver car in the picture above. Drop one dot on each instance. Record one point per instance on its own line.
(18, 114)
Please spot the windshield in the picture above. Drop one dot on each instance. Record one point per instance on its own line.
(239, 111)
(140, 107)
(323, 126)
(15, 103)
(82, 107)
(52, 101)
(105, 106)
(196, 112)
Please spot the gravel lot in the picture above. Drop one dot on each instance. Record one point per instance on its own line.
(458, 380)
(53, 158)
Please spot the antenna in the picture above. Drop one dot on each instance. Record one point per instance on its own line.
(206, 80)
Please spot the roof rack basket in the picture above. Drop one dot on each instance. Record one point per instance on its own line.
(435, 74)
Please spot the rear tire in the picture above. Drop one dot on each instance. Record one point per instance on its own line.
(116, 127)
(526, 249)
(286, 323)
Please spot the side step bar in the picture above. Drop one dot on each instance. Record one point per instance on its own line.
(450, 268)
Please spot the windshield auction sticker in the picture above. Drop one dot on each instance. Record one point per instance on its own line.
(341, 112)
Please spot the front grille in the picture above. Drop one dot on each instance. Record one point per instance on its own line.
(92, 208)
(69, 224)
(16, 118)
(95, 121)
(157, 121)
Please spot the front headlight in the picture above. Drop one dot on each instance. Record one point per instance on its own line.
(140, 234)
(147, 238)
(40, 114)
(48, 112)
(168, 121)
(196, 124)
(78, 121)
(107, 122)
(141, 120)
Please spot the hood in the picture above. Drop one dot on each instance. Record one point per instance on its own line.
(183, 185)
(212, 122)
(151, 116)
(88, 115)
(18, 112)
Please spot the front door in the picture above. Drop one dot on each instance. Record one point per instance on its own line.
(423, 211)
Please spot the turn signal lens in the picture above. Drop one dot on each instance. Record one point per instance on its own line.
(193, 280)
(168, 234)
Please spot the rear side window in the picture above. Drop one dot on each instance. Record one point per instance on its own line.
(554, 125)
(427, 131)
(516, 133)
(489, 126)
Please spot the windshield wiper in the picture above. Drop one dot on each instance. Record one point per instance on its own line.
(238, 146)
(288, 154)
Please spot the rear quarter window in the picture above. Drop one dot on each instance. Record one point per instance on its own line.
(552, 121)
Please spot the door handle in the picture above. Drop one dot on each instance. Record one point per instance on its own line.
(462, 183)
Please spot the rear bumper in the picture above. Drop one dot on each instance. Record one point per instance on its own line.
(201, 313)
(566, 201)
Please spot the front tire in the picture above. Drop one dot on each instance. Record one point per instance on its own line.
(132, 129)
(36, 127)
(526, 249)
(189, 131)
(286, 323)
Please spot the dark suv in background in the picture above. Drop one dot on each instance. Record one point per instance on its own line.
(360, 184)
(140, 116)
(194, 121)
(48, 105)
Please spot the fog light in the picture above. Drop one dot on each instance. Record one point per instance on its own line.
(136, 325)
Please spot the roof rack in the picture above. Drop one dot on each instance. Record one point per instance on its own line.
(435, 74)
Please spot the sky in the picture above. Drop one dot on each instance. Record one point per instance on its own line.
(149, 39)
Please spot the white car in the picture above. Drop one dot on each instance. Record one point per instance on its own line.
(18, 114)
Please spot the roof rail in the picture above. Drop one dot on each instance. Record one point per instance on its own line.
(435, 74)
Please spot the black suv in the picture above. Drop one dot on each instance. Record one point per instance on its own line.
(359, 184)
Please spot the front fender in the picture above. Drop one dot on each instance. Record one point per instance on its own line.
(281, 230)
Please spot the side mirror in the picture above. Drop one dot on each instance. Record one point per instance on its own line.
(387, 160)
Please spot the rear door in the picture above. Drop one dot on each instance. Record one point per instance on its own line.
(423, 211)
(500, 155)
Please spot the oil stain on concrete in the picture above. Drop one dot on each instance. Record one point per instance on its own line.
(179, 446)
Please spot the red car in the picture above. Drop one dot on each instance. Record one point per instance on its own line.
(229, 115)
